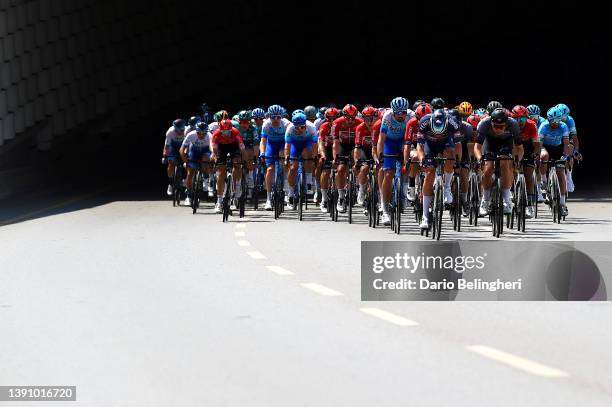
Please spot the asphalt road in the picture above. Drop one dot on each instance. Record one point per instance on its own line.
(141, 304)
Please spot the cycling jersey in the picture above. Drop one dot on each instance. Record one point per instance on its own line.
(412, 128)
(324, 134)
(219, 138)
(249, 135)
(393, 129)
(466, 133)
(212, 127)
(196, 147)
(427, 135)
(529, 132)
(299, 142)
(319, 122)
(571, 125)
(342, 131)
(274, 134)
(366, 138)
(174, 140)
(493, 144)
(553, 136)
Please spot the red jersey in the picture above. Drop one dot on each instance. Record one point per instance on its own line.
(219, 138)
(342, 131)
(529, 132)
(412, 128)
(324, 130)
(366, 138)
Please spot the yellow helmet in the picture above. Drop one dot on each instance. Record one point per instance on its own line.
(465, 108)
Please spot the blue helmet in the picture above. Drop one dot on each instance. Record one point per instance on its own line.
(298, 119)
(179, 125)
(554, 114)
(399, 104)
(276, 110)
(564, 109)
(439, 121)
(201, 127)
(297, 111)
(533, 110)
(258, 113)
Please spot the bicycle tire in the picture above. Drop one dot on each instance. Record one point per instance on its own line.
(350, 197)
(300, 195)
(398, 204)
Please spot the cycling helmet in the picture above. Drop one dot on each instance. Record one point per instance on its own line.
(465, 108)
(225, 124)
(332, 113)
(499, 116)
(481, 111)
(437, 103)
(244, 115)
(258, 113)
(220, 115)
(399, 104)
(201, 127)
(310, 112)
(565, 111)
(370, 112)
(519, 111)
(554, 114)
(298, 119)
(493, 105)
(473, 120)
(235, 118)
(533, 110)
(193, 120)
(179, 125)
(285, 113)
(350, 111)
(417, 104)
(422, 110)
(276, 110)
(439, 121)
(297, 111)
(321, 113)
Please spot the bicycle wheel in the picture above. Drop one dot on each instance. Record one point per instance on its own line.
(523, 203)
(255, 195)
(227, 196)
(556, 198)
(243, 196)
(457, 203)
(176, 182)
(197, 187)
(300, 194)
(373, 211)
(398, 205)
(499, 209)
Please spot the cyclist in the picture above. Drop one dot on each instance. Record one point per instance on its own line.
(534, 115)
(217, 117)
(343, 134)
(311, 113)
(195, 151)
(555, 144)
(226, 140)
(272, 142)
(531, 148)
(174, 138)
(391, 142)
(410, 153)
(366, 135)
(492, 105)
(326, 143)
(436, 136)
(497, 134)
(569, 121)
(248, 132)
(299, 142)
(320, 117)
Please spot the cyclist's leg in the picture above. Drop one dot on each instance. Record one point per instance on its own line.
(489, 150)
(507, 170)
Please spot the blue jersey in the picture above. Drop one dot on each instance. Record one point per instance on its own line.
(308, 136)
(391, 128)
(571, 125)
(539, 122)
(274, 134)
(553, 136)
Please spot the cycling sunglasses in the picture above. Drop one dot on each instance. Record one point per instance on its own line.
(276, 117)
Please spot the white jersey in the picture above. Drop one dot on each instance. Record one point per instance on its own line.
(309, 135)
(213, 127)
(274, 134)
(192, 138)
(318, 123)
(174, 138)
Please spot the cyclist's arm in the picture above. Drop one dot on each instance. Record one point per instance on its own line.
(478, 151)
(380, 148)
(336, 148)
(183, 153)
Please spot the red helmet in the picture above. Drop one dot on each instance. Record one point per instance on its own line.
(226, 124)
(422, 110)
(350, 110)
(473, 120)
(519, 111)
(370, 111)
(332, 113)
